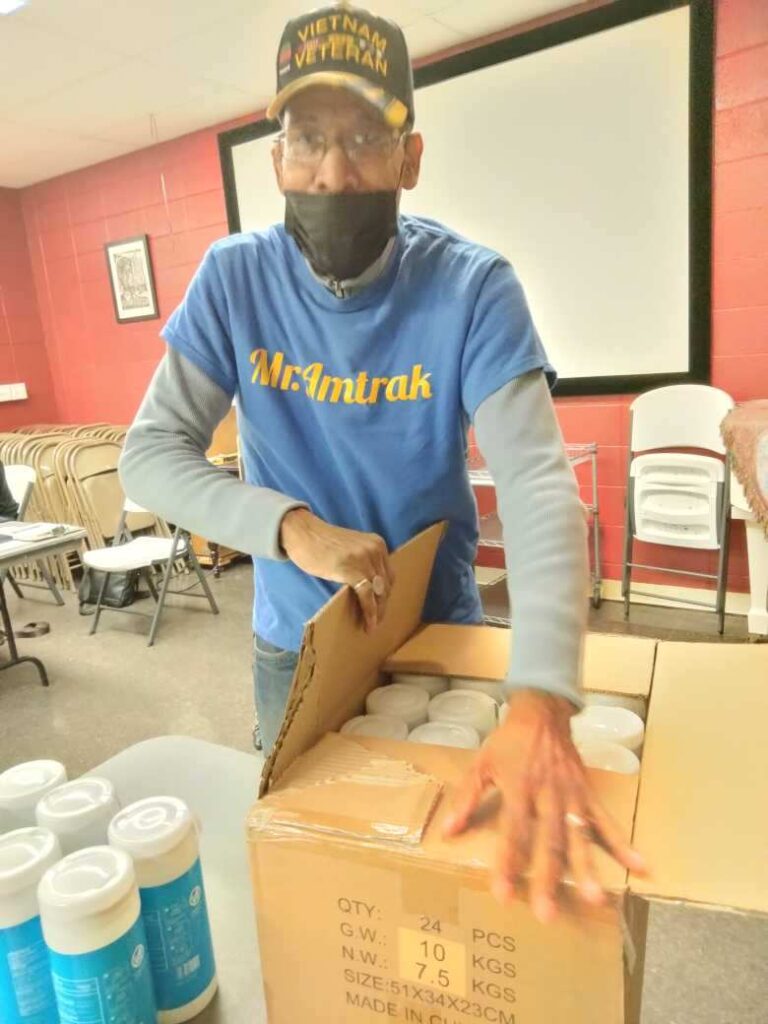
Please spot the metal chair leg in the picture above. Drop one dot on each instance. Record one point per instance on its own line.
(15, 586)
(164, 588)
(192, 557)
(626, 576)
(97, 612)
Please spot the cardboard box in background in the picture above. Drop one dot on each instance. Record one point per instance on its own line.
(366, 914)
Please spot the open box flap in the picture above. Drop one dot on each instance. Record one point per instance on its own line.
(339, 662)
(701, 818)
(612, 663)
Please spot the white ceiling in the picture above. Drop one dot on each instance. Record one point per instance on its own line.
(82, 81)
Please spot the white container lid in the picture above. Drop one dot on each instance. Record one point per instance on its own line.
(491, 687)
(446, 734)
(469, 707)
(386, 727)
(431, 684)
(25, 856)
(400, 701)
(151, 827)
(616, 725)
(87, 882)
(611, 757)
(23, 785)
(75, 804)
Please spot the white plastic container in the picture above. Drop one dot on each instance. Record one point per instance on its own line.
(22, 786)
(26, 988)
(466, 707)
(615, 725)
(446, 734)
(90, 912)
(79, 812)
(397, 700)
(431, 684)
(617, 700)
(161, 836)
(611, 757)
(489, 686)
(384, 726)
(503, 712)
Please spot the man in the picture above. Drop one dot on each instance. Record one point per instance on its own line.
(360, 346)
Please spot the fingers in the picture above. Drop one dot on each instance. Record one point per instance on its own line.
(374, 564)
(578, 841)
(608, 835)
(368, 603)
(513, 849)
(548, 853)
(466, 802)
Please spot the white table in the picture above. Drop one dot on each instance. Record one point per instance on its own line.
(20, 549)
(219, 785)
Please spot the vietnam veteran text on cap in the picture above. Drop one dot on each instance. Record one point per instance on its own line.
(349, 47)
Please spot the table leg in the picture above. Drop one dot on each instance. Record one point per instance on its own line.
(11, 639)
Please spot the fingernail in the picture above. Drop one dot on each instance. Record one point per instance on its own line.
(544, 910)
(502, 890)
(593, 892)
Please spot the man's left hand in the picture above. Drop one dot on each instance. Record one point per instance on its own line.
(549, 815)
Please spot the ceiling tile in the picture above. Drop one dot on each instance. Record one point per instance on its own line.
(483, 16)
(427, 36)
(133, 90)
(129, 28)
(33, 63)
(68, 154)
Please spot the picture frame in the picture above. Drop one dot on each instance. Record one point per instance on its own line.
(131, 279)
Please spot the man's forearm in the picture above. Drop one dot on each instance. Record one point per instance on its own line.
(545, 541)
(165, 469)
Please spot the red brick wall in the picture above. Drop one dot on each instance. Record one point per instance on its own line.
(173, 192)
(23, 355)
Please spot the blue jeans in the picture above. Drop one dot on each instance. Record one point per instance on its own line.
(273, 670)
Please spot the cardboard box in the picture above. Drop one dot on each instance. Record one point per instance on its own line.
(366, 914)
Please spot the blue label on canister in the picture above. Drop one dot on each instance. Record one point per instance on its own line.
(112, 985)
(179, 938)
(26, 989)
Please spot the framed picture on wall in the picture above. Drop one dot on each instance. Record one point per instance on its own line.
(130, 275)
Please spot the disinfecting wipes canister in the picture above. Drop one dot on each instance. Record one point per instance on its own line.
(26, 989)
(161, 837)
(90, 911)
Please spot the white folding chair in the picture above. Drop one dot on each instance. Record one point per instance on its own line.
(143, 555)
(676, 497)
(21, 482)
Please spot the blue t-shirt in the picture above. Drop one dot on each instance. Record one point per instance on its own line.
(360, 406)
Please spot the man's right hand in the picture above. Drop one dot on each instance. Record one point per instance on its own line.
(342, 556)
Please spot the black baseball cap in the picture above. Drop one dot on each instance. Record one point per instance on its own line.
(351, 48)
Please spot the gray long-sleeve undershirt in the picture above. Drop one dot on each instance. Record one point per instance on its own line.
(164, 467)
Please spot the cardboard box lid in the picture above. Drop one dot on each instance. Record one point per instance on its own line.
(612, 663)
(396, 795)
(701, 819)
(339, 662)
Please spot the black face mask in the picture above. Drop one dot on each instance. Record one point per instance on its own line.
(341, 234)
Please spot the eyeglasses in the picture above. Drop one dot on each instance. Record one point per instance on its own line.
(308, 146)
